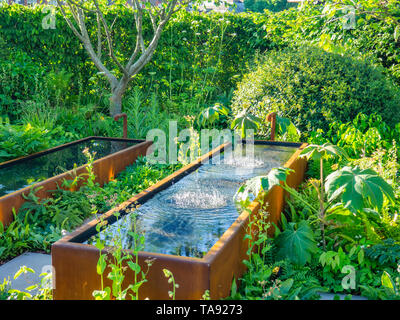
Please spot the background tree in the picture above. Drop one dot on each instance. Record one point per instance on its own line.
(78, 14)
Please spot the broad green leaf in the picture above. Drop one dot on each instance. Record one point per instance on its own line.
(296, 243)
(274, 177)
(286, 286)
(101, 265)
(245, 121)
(254, 185)
(134, 266)
(360, 256)
(387, 282)
(211, 114)
(358, 188)
(286, 126)
(326, 150)
(397, 33)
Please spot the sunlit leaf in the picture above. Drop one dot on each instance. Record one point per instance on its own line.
(358, 188)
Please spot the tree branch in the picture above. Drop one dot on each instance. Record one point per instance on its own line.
(109, 38)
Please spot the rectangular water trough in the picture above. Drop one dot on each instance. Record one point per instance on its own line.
(74, 259)
(46, 167)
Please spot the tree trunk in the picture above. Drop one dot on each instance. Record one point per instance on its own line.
(116, 102)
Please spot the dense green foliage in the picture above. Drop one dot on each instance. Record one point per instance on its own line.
(199, 55)
(315, 88)
(358, 247)
(271, 5)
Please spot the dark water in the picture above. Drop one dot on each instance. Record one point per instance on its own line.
(28, 172)
(188, 218)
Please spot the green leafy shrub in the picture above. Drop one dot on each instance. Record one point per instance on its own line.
(314, 88)
(360, 137)
(21, 140)
(19, 80)
(272, 5)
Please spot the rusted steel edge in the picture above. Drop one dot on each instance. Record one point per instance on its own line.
(216, 270)
(63, 146)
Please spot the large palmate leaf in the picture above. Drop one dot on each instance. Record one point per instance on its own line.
(254, 185)
(315, 152)
(296, 243)
(358, 188)
(211, 114)
(245, 121)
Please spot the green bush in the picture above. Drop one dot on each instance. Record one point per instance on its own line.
(19, 79)
(21, 140)
(314, 88)
(272, 5)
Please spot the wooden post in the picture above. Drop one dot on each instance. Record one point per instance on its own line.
(125, 124)
(271, 117)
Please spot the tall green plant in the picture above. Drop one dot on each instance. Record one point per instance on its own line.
(321, 153)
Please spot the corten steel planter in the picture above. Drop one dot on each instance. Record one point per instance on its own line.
(75, 263)
(104, 168)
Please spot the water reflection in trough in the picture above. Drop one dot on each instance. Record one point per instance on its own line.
(188, 217)
(21, 174)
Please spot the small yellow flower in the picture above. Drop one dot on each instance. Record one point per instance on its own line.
(275, 270)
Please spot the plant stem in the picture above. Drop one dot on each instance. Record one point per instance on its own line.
(321, 202)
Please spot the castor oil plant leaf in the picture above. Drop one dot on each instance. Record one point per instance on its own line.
(359, 188)
(296, 243)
